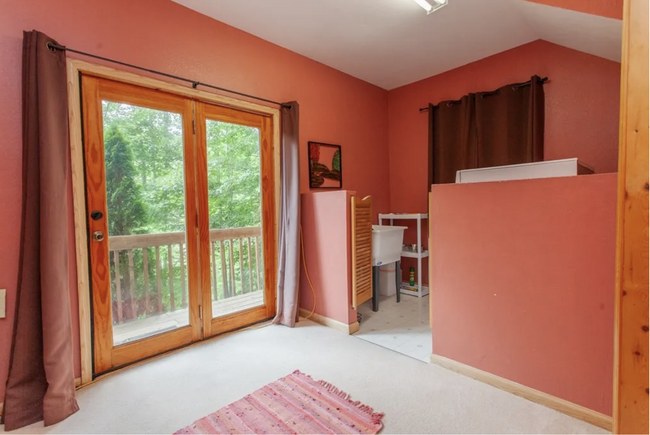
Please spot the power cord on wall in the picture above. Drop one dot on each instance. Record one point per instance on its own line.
(311, 285)
(304, 264)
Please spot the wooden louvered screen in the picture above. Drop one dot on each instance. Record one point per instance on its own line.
(361, 250)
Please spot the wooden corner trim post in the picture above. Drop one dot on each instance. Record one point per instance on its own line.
(630, 413)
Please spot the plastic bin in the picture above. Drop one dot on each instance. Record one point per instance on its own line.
(387, 280)
(386, 244)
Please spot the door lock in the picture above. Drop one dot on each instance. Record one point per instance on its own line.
(96, 215)
(98, 236)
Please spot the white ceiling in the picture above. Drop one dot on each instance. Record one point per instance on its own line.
(591, 34)
(391, 43)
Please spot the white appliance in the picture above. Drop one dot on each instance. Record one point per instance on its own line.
(386, 244)
(547, 169)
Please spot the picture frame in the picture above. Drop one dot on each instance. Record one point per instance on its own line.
(325, 165)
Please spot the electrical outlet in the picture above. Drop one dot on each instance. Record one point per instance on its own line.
(3, 303)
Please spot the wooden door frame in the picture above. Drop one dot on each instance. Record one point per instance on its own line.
(75, 68)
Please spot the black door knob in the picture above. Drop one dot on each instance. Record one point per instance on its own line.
(96, 215)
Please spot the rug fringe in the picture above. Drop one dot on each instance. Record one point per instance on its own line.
(375, 416)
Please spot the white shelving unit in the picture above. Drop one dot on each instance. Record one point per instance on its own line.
(422, 290)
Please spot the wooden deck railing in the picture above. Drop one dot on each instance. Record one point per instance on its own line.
(136, 261)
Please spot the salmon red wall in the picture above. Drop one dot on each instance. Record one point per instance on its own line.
(605, 8)
(523, 282)
(582, 111)
(334, 107)
(582, 102)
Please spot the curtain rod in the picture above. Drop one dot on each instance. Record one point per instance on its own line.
(519, 85)
(194, 83)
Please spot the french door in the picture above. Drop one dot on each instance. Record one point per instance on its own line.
(180, 201)
(240, 143)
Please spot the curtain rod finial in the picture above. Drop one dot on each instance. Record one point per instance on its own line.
(54, 47)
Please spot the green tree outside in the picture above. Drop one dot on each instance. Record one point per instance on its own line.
(145, 194)
(123, 193)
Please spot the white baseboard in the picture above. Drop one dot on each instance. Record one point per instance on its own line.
(331, 323)
(564, 406)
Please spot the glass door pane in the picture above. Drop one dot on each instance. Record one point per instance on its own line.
(235, 216)
(145, 199)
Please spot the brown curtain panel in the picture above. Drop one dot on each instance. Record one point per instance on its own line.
(289, 232)
(40, 384)
(502, 127)
(510, 124)
(452, 139)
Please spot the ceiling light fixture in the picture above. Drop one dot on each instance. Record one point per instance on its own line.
(430, 8)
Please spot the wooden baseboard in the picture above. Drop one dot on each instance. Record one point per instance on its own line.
(564, 406)
(331, 323)
(77, 384)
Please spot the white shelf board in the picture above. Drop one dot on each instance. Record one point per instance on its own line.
(411, 254)
(403, 216)
(404, 291)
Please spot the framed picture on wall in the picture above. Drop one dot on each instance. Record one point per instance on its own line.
(325, 169)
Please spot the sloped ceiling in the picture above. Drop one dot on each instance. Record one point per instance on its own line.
(391, 43)
(591, 34)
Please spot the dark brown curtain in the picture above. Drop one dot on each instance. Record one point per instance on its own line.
(510, 124)
(452, 139)
(40, 385)
(501, 127)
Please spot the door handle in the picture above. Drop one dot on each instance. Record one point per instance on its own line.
(98, 236)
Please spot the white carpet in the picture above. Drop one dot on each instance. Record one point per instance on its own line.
(168, 393)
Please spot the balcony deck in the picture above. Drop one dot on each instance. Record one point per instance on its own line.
(158, 323)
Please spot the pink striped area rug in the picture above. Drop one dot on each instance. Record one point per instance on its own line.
(295, 404)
